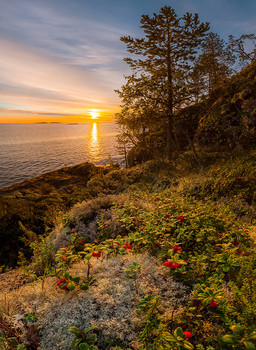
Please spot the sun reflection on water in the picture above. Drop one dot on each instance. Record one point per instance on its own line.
(94, 147)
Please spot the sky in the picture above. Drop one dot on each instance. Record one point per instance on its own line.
(61, 60)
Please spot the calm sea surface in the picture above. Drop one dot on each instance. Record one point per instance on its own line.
(28, 150)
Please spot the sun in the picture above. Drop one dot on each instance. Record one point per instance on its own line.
(94, 114)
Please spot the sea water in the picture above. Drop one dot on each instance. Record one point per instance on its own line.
(29, 150)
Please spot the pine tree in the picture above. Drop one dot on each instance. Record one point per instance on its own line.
(214, 64)
(244, 47)
(166, 52)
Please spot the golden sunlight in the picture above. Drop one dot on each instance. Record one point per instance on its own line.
(94, 148)
(94, 114)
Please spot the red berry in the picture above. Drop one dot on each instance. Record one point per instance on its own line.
(167, 264)
(213, 303)
(127, 246)
(176, 248)
(187, 335)
(96, 254)
(156, 244)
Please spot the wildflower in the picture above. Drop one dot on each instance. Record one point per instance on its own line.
(213, 303)
(96, 254)
(187, 335)
(167, 264)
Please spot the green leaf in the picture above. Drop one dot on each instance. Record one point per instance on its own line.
(226, 268)
(178, 333)
(84, 346)
(77, 331)
(76, 279)
(252, 336)
(75, 343)
(84, 286)
(71, 286)
(91, 340)
(66, 275)
(249, 346)
(187, 345)
(237, 329)
(169, 337)
(62, 285)
(229, 338)
(90, 329)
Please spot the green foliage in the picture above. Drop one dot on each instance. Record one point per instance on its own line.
(65, 257)
(85, 340)
(31, 317)
(133, 270)
(239, 339)
(154, 334)
(10, 343)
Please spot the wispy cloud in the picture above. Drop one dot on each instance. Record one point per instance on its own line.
(62, 56)
(57, 62)
(28, 76)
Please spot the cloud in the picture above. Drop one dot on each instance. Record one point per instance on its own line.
(58, 61)
(30, 77)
